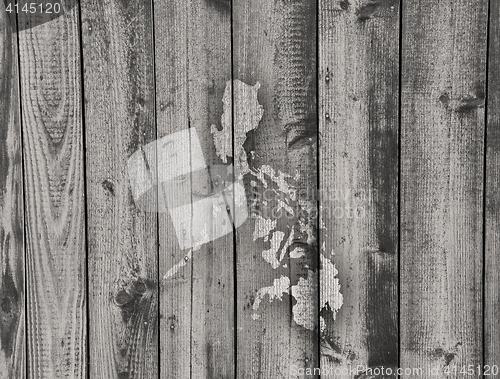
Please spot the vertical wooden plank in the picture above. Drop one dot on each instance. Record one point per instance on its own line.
(12, 295)
(193, 66)
(54, 182)
(171, 61)
(120, 120)
(359, 89)
(276, 151)
(209, 71)
(492, 210)
(442, 138)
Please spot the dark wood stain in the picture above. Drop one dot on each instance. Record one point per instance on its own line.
(383, 165)
(441, 171)
(109, 186)
(210, 355)
(445, 99)
(464, 104)
(383, 337)
(383, 170)
(448, 358)
(470, 103)
(134, 297)
(359, 154)
(344, 5)
(382, 340)
(140, 315)
(302, 134)
(10, 309)
(221, 5)
(366, 10)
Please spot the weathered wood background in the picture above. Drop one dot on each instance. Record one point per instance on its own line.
(367, 137)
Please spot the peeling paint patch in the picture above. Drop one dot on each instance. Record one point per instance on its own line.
(286, 207)
(276, 291)
(271, 255)
(280, 193)
(322, 224)
(322, 324)
(260, 176)
(297, 253)
(288, 243)
(223, 139)
(304, 311)
(330, 296)
(278, 177)
(247, 115)
(307, 229)
(263, 228)
(306, 223)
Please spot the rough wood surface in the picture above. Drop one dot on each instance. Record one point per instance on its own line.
(193, 65)
(12, 295)
(55, 207)
(171, 61)
(359, 88)
(318, 281)
(209, 71)
(120, 119)
(277, 253)
(492, 201)
(442, 135)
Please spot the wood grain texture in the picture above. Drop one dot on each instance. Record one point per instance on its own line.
(492, 201)
(209, 69)
(119, 95)
(193, 64)
(12, 295)
(245, 79)
(171, 67)
(55, 208)
(442, 137)
(358, 96)
(277, 294)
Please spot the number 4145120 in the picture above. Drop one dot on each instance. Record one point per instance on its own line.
(472, 370)
(34, 8)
